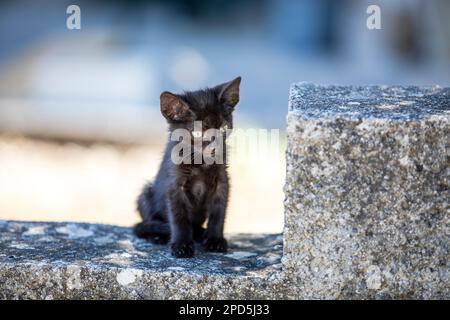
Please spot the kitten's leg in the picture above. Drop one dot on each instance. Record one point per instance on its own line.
(198, 233)
(144, 202)
(181, 244)
(198, 220)
(214, 240)
(152, 227)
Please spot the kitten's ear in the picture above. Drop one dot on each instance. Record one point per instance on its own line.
(173, 108)
(229, 92)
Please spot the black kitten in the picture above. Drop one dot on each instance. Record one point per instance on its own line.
(184, 194)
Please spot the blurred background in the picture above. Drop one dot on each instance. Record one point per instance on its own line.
(80, 127)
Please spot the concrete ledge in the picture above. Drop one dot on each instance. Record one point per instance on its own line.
(87, 261)
(367, 192)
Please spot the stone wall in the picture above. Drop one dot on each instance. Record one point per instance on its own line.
(367, 192)
(88, 261)
(366, 216)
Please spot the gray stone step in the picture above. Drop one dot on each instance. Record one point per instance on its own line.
(88, 261)
(367, 191)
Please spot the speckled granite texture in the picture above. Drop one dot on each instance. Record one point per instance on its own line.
(88, 261)
(366, 216)
(367, 192)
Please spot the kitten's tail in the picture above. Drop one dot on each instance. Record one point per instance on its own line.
(156, 232)
(153, 229)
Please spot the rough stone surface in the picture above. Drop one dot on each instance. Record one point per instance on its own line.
(88, 261)
(367, 191)
(366, 216)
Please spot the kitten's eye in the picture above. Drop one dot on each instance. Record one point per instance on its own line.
(197, 134)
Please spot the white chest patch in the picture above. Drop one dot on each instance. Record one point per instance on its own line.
(198, 189)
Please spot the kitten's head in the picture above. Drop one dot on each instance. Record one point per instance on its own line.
(201, 119)
(212, 106)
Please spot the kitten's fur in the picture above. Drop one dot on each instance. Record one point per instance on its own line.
(176, 205)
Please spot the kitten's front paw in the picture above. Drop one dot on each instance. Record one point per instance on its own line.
(182, 249)
(215, 244)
